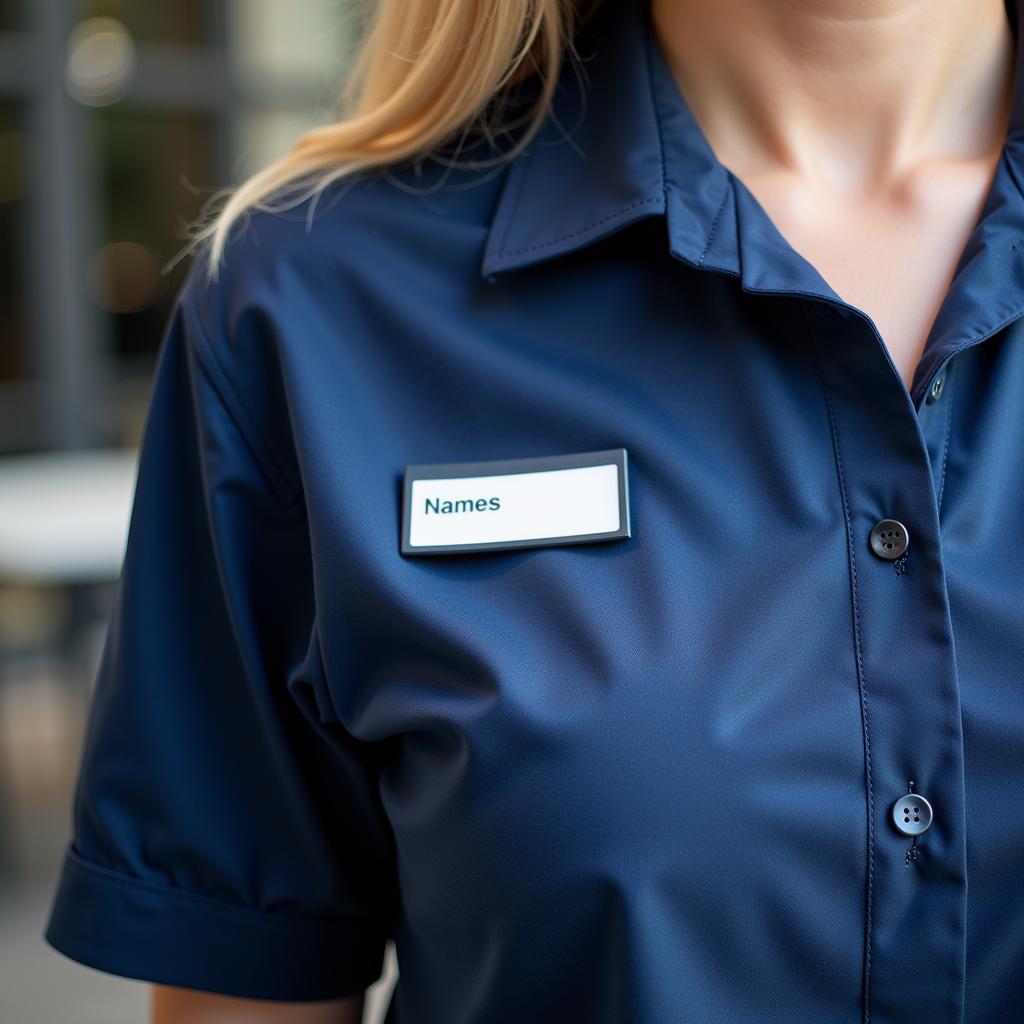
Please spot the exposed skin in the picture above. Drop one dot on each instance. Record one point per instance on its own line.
(185, 1006)
(868, 130)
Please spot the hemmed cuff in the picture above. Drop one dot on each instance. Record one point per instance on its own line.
(151, 932)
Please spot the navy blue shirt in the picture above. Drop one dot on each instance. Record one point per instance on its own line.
(642, 779)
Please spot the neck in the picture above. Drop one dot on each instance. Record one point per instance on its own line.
(849, 93)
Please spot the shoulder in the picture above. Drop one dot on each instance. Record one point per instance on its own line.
(362, 231)
(304, 288)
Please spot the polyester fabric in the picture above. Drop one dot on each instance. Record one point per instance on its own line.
(640, 781)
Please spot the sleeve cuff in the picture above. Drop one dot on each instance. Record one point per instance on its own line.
(151, 932)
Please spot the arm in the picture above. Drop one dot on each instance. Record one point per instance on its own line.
(171, 1005)
(228, 830)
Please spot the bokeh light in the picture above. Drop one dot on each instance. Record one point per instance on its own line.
(123, 277)
(100, 61)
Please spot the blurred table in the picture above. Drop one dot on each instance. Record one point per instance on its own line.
(64, 520)
(64, 515)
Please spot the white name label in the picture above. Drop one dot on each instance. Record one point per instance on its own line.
(508, 503)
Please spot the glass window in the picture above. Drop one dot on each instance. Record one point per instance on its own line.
(301, 40)
(11, 15)
(300, 53)
(159, 168)
(184, 22)
(14, 350)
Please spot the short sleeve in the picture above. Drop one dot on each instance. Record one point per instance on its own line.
(227, 830)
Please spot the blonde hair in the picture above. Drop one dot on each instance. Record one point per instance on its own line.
(425, 71)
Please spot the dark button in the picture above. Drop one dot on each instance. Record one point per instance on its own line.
(936, 389)
(889, 538)
(912, 814)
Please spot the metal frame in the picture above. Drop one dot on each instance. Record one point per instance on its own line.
(75, 375)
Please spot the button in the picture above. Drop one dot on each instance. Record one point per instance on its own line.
(912, 814)
(889, 538)
(935, 391)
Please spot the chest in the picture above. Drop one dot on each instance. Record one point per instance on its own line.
(663, 736)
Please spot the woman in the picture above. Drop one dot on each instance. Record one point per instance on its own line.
(592, 556)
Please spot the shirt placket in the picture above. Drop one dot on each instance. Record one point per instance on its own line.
(902, 643)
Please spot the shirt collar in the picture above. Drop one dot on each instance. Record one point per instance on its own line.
(596, 164)
(621, 144)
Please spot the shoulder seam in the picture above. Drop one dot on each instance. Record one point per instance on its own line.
(286, 490)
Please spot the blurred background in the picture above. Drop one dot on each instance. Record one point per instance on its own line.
(118, 119)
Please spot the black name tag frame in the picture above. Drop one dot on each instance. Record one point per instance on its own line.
(508, 467)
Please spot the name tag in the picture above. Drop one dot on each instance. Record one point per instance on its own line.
(515, 503)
